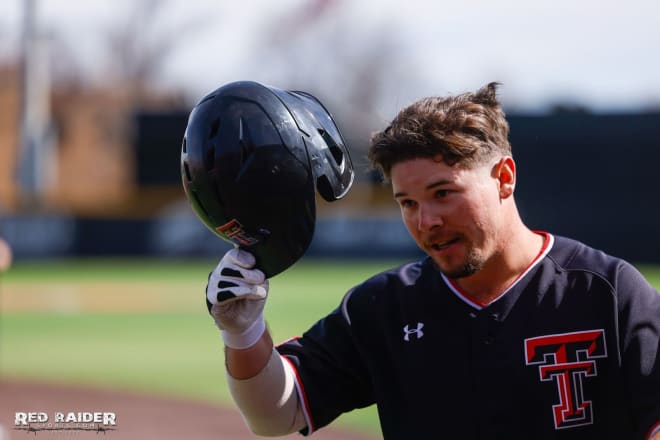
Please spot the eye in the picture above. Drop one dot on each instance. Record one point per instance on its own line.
(406, 203)
(442, 193)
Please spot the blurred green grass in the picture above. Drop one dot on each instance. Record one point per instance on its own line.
(175, 352)
(172, 352)
(652, 274)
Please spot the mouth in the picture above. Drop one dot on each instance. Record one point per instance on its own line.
(442, 245)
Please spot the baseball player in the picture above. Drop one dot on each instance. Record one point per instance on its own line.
(5, 255)
(500, 332)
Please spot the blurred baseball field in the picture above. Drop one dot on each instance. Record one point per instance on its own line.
(142, 325)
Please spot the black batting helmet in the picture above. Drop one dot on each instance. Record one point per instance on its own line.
(251, 158)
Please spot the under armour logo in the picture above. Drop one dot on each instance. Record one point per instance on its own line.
(416, 331)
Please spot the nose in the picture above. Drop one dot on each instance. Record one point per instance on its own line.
(428, 217)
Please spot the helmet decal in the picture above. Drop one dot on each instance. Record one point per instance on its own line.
(233, 231)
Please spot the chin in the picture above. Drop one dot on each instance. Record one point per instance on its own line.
(470, 267)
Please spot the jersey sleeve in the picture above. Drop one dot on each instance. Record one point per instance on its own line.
(330, 374)
(639, 332)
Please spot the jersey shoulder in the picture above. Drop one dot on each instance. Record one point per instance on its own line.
(387, 288)
(572, 256)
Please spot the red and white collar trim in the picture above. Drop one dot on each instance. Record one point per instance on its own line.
(549, 240)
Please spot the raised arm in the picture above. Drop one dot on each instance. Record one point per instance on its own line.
(260, 381)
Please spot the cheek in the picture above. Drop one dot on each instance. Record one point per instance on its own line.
(474, 213)
(410, 222)
(407, 218)
(485, 217)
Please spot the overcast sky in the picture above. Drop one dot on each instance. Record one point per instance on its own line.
(603, 54)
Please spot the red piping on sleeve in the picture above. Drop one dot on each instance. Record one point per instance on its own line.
(303, 396)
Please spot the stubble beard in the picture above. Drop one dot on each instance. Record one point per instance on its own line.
(473, 264)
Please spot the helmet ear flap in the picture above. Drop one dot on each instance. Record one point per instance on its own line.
(324, 187)
(338, 177)
(336, 153)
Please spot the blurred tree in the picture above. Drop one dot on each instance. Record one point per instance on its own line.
(341, 55)
(139, 45)
(98, 86)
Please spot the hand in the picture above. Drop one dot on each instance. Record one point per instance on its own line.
(235, 296)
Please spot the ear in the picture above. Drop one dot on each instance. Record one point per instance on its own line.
(505, 174)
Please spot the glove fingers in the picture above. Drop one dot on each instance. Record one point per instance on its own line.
(260, 291)
(230, 270)
(241, 258)
(253, 276)
(229, 292)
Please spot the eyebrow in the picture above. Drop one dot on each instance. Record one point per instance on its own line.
(429, 186)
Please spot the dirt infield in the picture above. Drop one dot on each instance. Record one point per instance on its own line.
(137, 416)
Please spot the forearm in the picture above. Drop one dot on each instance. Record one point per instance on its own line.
(263, 387)
(248, 362)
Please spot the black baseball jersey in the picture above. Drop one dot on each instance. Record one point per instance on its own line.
(569, 351)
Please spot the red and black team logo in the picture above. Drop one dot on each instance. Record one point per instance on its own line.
(234, 232)
(567, 359)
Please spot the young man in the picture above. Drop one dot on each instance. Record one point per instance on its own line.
(501, 332)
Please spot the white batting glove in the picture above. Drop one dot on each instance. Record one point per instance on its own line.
(236, 295)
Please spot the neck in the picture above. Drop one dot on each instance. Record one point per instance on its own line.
(515, 254)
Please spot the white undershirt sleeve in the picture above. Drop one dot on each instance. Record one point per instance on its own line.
(269, 401)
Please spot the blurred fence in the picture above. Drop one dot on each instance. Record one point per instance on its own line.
(183, 235)
(591, 177)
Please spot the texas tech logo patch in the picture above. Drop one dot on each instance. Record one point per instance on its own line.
(568, 359)
(234, 232)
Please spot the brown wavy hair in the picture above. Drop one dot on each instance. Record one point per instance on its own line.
(466, 130)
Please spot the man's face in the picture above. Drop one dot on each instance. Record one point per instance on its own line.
(452, 213)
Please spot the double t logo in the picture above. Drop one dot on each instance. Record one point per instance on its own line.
(567, 359)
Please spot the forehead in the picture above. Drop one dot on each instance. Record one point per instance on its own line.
(419, 174)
